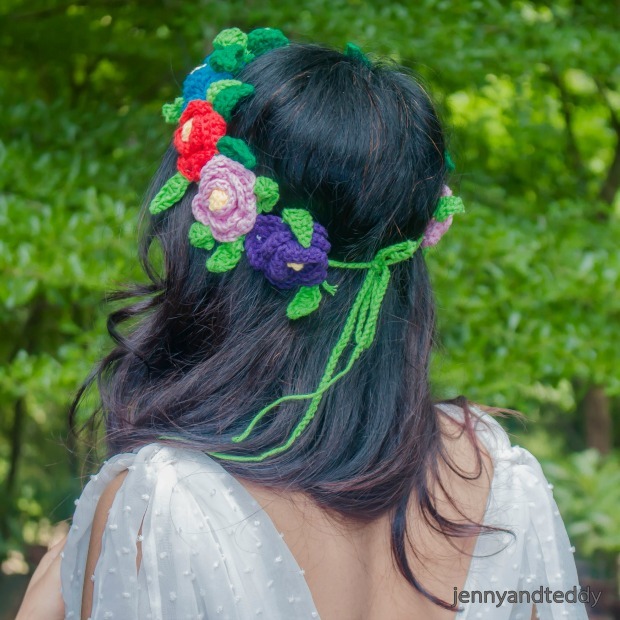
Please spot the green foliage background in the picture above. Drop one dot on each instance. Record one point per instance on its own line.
(526, 281)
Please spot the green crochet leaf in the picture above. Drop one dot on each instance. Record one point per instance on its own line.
(449, 162)
(230, 36)
(228, 59)
(267, 194)
(226, 256)
(200, 236)
(262, 40)
(301, 224)
(172, 111)
(172, 191)
(238, 150)
(305, 302)
(225, 100)
(447, 206)
(216, 87)
(354, 51)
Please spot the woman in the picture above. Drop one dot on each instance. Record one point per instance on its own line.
(274, 450)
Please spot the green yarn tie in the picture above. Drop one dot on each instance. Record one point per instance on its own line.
(447, 206)
(359, 329)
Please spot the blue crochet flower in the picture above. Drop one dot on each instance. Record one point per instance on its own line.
(198, 81)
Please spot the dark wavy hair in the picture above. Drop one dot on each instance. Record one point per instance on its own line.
(362, 149)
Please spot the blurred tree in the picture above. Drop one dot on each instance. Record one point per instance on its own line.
(526, 282)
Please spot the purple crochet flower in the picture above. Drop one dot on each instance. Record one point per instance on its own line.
(272, 248)
(225, 200)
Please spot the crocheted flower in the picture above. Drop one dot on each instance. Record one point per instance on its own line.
(435, 229)
(198, 81)
(225, 200)
(200, 127)
(272, 248)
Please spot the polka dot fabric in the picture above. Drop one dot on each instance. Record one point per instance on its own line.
(520, 499)
(210, 551)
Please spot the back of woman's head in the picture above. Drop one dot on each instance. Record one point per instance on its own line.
(362, 149)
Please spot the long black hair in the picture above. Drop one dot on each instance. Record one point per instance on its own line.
(362, 149)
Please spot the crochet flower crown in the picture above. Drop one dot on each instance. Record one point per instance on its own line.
(233, 206)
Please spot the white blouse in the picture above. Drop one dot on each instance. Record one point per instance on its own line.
(209, 551)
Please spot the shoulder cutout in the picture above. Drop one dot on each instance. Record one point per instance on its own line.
(100, 520)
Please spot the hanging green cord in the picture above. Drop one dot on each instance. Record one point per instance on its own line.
(360, 324)
(379, 264)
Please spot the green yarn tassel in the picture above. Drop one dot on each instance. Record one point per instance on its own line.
(447, 206)
(172, 111)
(238, 150)
(200, 236)
(354, 51)
(263, 40)
(267, 194)
(332, 289)
(172, 191)
(225, 100)
(301, 225)
(359, 331)
(306, 301)
(226, 256)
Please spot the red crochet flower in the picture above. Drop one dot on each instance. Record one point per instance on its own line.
(200, 127)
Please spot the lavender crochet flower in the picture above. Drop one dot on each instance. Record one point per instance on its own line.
(272, 248)
(436, 230)
(225, 200)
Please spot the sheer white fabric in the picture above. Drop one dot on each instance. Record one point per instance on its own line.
(210, 550)
(539, 555)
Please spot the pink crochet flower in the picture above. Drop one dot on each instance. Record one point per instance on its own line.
(225, 200)
(435, 230)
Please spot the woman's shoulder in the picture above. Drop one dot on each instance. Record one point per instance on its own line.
(156, 471)
(513, 465)
(193, 523)
(517, 477)
(488, 430)
(528, 546)
(149, 459)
